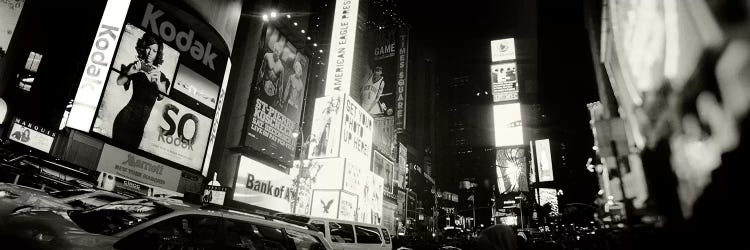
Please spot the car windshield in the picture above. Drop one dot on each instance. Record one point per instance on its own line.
(68, 193)
(118, 216)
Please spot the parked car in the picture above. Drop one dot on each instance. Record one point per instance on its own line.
(346, 234)
(16, 197)
(154, 223)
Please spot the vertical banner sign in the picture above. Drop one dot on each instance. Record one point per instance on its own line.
(215, 125)
(341, 52)
(403, 64)
(402, 168)
(544, 160)
(99, 60)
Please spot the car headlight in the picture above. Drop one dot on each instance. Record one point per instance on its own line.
(8, 194)
(43, 237)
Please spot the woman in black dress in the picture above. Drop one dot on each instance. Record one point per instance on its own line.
(147, 81)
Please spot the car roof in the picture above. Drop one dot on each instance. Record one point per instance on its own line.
(311, 218)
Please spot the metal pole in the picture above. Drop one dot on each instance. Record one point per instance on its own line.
(473, 211)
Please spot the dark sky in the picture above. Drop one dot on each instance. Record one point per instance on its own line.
(460, 33)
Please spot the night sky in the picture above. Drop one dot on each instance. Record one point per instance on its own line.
(460, 33)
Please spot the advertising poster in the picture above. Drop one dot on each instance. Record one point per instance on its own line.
(402, 167)
(347, 206)
(325, 135)
(503, 50)
(510, 166)
(325, 203)
(370, 206)
(9, 13)
(532, 164)
(508, 126)
(278, 93)
(544, 160)
(385, 169)
(202, 92)
(261, 185)
(356, 134)
(32, 135)
(131, 166)
(504, 79)
(146, 119)
(384, 136)
(379, 89)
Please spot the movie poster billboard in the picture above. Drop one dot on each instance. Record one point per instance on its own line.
(137, 112)
(325, 137)
(510, 166)
(385, 169)
(544, 160)
(508, 125)
(384, 136)
(264, 186)
(503, 50)
(356, 134)
(378, 93)
(504, 79)
(278, 93)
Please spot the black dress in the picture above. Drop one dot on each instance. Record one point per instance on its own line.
(131, 121)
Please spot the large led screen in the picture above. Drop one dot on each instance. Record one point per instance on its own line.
(278, 93)
(504, 79)
(510, 166)
(508, 126)
(503, 49)
(544, 160)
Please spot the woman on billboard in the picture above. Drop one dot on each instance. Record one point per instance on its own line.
(147, 81)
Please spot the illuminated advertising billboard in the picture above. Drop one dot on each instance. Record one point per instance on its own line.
(325, 137)
(503, 50)
(129, 165)
(385, 169)
(508, 125)
(334, 204)
(148, 119)
(403, 68)
(504, 80)
(264, 186)
(356, 134)
(370, 206)
(341, 52)
(532, 164)
(544, 160)
(378, 93)
(278, 93)
(161, 72)
(32, 135)
(384, 136)
(549, 196)
(510, 166)
(94, 74)
(402, 167)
